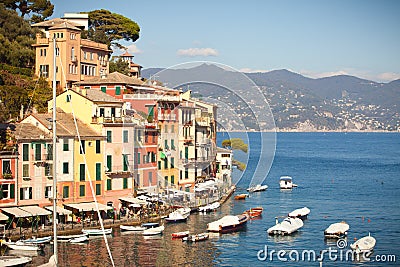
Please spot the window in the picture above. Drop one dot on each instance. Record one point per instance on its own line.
(91, 56)
(6, 166)
(166, 144)
(166, 163)
(82, 172)
(109, 163)
(125, 162)
(25, 152)
(65, 145)
(82, 147)
(159, 165)
(125, 136)
(44, 71)
(150, 178)
(109, 136)
(138, 158)
(166, 128)
(109, 184)
(8, 191)
(103, 89)
(84, 55)
(125, 183)
(57, 51)
(98, 150)
(101, 112)
(172, 162)
(117, 90)
(66, 192)
(48, 192)
(98, 171)
(98, 189)
(48, 170)
(82, 190)
(186, 173)
(38, 152)
(25, 170)
(65, 167)
(49, 152)
(172, 179)
(172, 144)
(68, 98)
(166, 180)
(25, 193)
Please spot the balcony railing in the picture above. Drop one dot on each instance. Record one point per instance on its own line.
(166, 117)
(8, 175)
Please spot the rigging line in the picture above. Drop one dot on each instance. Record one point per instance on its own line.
(86, 168)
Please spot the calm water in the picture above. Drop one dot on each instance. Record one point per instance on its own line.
(353, 177)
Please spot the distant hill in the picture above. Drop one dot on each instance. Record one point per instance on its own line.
(337, 103)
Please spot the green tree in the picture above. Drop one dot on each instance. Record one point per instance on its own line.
(110, 28)
(38, 9)
(16, 38)
(119, 65)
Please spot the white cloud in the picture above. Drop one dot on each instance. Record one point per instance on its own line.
(133, 49)
(194, 52)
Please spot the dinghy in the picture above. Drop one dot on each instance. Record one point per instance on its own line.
(337, 230)
(286, 227)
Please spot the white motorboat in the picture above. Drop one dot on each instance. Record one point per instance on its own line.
(22, 246)
(132, 228)
(286, 227)
(364, 245)
(337, 230)
(257, 188)
(184, 211)
(154, 231)
(7, 261)
(80, 239)
(37, 240)
(210, 207)
(97, 231)
(196, 238)
(285, 182)
(67, 238)
(176, 216)
(300, 213)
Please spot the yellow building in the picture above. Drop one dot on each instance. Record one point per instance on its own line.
(77, 59)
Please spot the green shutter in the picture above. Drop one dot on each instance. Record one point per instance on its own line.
(25, 152)
(98, 171)
(82, 172)
(103, 89)
(125, 185)
(82, 190)
(12, 190)
(172, 179)
(98, 189)
(98, 147)
(109, 187)
(125, 162)
(118, 90)
(109, 163)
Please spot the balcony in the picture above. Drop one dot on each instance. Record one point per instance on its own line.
(74, 59)
(8, 176)
(166, 117)
(117, 171)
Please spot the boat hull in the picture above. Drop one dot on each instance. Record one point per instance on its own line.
(97, 231)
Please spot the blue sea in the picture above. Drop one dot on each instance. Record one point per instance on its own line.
(352, 177)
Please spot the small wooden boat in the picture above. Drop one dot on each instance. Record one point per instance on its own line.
(14, 260)
(132, 228)
(196, 238)
(150, 225)
(80, 239)
(180, 234)
(257, 188)
(97, 231)
(241, 196)
(37, 240)
(154, 231)
(23, 246)
(337, 230)
(300, 213)
(229, 223)
(364, 245)
(286, 227)
(254, 212)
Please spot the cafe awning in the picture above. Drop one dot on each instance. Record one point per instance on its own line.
(17, 212)
(88, 206)
(59, 210)
(3, 217)
(35, 210)
(133, 200)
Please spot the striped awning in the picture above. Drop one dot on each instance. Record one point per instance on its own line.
(133, 200)
(87, 206)
(59, 210)
(35, 210)
(3, 217)
(17, 212)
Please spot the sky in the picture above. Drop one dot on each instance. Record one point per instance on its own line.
(314, 38)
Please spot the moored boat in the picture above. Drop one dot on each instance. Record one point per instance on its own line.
(22, 246)
(257, 188)
(364, 245)
(80, 239)
(229, 223)
(176, 216)
(254, 212)
(150, 225)
(132, 228)
(97, 231)
(184, 211)
(8, 261)
(196, 238)
(154, 231)
(241, 196)
(285, 182)
(180, 234)
(300, 213)
(286, 227)
(210, 207)
(67, 238)
(337, 230)
(37, 240)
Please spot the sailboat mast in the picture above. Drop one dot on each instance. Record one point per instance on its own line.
(54, 153)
